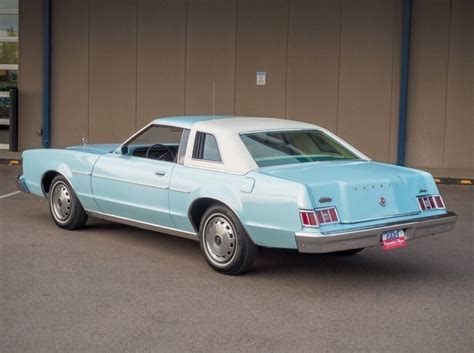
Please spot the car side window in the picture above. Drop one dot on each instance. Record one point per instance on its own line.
(156, 142)
(205, 147)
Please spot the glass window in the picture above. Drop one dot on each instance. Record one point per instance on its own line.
(157, 142)
(8, 23)
(8, 53)
(8, 63)
(205, 148)
(289, 147)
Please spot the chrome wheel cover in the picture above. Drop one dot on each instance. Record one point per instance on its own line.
(220, 241)
(60, 201)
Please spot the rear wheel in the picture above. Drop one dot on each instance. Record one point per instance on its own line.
(65, 208)
(224, 242)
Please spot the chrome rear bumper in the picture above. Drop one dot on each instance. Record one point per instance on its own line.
(371, 236)
(20, 182)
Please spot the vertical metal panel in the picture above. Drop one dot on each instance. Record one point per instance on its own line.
(210, 63)
(262, 27)
(396, 64)
(13, 93)
(46, 74)
(404, 67)
(160, 59)
(30, 81)
(113, 51)
(70, 74)
(313, 61)
(366, 75)
(427, 84)
(459, 129)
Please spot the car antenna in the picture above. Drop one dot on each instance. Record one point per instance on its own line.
(84, 141)
(213, 98)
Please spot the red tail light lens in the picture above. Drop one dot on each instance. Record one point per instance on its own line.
(315, 218)
(308, 218)
(439, 202)
(427, 203)
(327, 215)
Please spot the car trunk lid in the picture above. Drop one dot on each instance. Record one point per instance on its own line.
(360, 190)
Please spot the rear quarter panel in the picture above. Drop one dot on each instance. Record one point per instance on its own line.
(75, 166)
(268, 207)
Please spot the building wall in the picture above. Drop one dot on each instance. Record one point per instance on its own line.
(441, 86)
(29, 78)
(117, 64)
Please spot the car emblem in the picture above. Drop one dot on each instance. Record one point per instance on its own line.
(382, 201)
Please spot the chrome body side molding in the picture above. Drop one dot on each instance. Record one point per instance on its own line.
(144, 225)
(80, 173)
(130, 182)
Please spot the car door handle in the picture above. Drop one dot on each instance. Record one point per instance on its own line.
(160, 173)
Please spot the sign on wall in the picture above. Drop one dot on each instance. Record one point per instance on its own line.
(261, 78)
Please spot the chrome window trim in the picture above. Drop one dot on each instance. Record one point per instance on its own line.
(360, 155)
(183, 145)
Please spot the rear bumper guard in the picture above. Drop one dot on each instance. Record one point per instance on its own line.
(21, 183)
(312, 242)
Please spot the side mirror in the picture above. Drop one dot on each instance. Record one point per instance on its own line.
(124, 150)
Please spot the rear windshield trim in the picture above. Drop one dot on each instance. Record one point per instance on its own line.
(336, 151)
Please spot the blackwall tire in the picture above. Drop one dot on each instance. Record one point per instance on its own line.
(64, 206)
(224, 242)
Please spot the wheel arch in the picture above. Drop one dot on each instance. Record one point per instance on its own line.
(199, 206)
(47, 179)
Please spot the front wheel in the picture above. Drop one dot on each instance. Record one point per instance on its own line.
(224, 242)
(65, 208)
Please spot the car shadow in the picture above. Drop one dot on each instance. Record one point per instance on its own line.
(280, 263)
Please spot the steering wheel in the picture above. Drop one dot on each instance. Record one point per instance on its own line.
(160, 145)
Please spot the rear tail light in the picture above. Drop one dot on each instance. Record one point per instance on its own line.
(427, 203)
(327, 215)
(315, 218)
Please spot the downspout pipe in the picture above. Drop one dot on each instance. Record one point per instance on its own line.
(46, 75)
(405, 62)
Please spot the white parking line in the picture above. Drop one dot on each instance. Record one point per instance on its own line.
(10, 194)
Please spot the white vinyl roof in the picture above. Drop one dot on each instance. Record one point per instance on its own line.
(227, 129)
(237, 124)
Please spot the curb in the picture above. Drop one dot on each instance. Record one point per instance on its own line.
(454, 181)
(10, 162)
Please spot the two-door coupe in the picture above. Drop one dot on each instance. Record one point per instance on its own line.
(237, 183)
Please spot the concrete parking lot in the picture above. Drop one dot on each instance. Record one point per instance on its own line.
(114, 288)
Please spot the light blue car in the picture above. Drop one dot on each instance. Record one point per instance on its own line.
(237, 183)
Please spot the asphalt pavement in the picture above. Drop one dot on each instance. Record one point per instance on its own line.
(114, 288)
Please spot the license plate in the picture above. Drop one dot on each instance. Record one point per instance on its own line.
(393, 239)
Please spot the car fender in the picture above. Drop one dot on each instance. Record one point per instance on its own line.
(73, 165)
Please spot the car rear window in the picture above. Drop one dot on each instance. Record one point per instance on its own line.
(289, 147)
